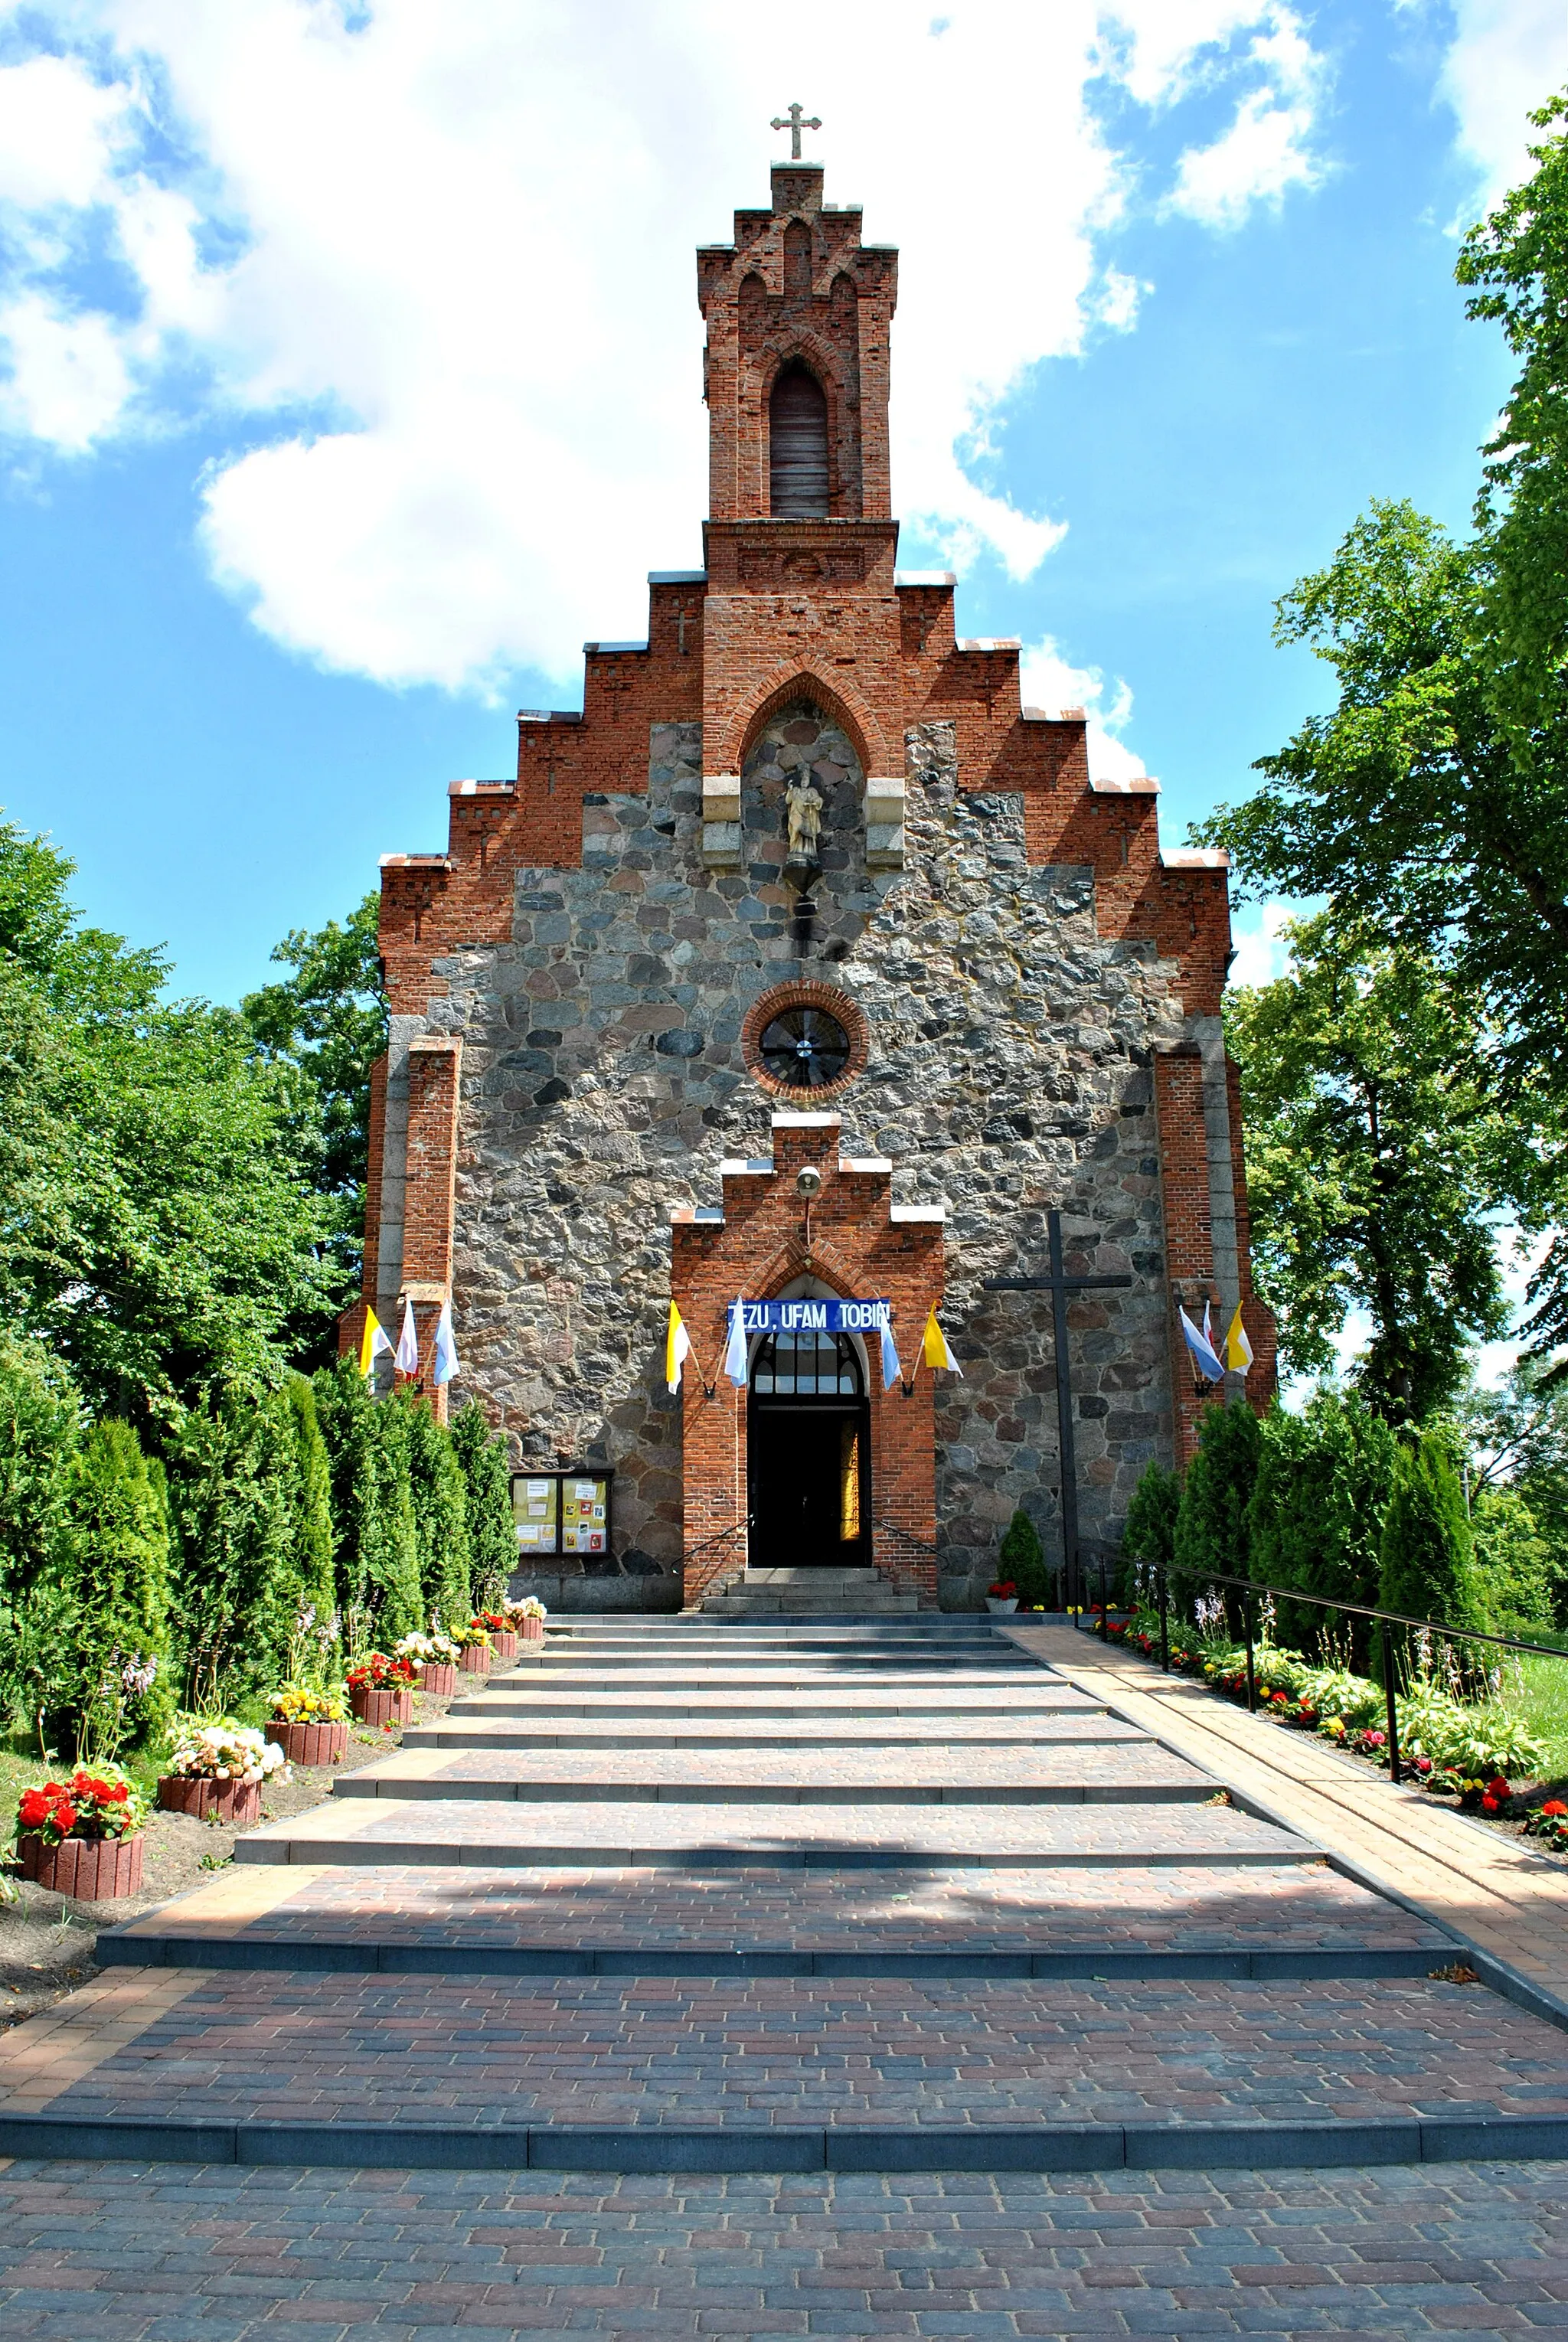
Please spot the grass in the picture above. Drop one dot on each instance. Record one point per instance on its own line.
(1539, 1692)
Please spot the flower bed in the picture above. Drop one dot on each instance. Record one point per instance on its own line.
(82, 1836)
(380, 1689)
(309, 1726)
(217, 1774)
(1453, 1748)
(434, 1655)
(526, 1618)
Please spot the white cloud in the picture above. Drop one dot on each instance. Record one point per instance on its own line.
(1267, 149)
(457, 295)
(1507, 58)
(1050, 681)
(1263, 955)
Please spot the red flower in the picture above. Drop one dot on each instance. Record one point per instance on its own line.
(1489, 1803)
(36, 1807)
(1553, 1808)
(1498, 1787)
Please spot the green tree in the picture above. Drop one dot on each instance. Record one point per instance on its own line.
(1149, 1536)
(1518, 1439)
(1375, 1159)
(1433, 799)
(40, 1436)
(1514, 1564)
(249, 1490)
(325, 1023)
(376, 1559)
(492, 1528)
(1212, 1536)
(1317, 1509)
(107, 1594)
(1428, 1554)
(1022, 1560)
(440, 1499)
(159, 1225)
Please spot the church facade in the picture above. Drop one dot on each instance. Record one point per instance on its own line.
(806, 964)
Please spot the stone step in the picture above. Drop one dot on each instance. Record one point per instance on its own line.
(1133, 1771)
(740, 1731)
(1004, 1701)
(866, 1833)
(1285, 1920)
(773, 2074)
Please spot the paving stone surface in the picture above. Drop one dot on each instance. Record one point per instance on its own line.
(1294, 1909)
(275, 2046)
(451, 1830)
(1134, 1767)
(164, 2253)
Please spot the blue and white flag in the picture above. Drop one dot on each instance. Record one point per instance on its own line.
(1203, 1350)
(736, 1353)
(892, 1372)
(405, 1357)
(446, 1347)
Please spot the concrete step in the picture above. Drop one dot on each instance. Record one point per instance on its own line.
(852, 1699)
(1264, 1921)
(1034, 1730)
(864, 1834)
(1104, 1773)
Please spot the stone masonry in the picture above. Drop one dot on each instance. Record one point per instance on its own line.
(1031, 989)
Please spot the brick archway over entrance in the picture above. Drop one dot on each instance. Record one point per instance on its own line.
(860, 1244)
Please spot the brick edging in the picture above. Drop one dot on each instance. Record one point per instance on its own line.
(580, 2146)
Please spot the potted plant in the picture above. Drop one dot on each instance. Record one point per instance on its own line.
(503, 1634)
(527, 1618)
(217, 1772)
(380, 1689)
(83, 1837)
(436, 1657)
(1002, 1595)
(474, 1642)
(309, 1726)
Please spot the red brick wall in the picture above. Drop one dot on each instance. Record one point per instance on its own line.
(857, 1248)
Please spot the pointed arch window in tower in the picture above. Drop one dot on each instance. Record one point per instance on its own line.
(797, 447)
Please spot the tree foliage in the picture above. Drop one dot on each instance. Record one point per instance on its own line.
(440, 1500)
(1375, 1159)
(160, 1229)
(1431, 803)
(1213, 1529)
(376, 1562)
(1316, 1517)
(1427, 1552)
(103, 1605)
(492, 1529)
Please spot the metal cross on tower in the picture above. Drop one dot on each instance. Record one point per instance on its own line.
(794, 122)
(1058, 1285)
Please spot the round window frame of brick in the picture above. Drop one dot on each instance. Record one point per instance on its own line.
(800, 995)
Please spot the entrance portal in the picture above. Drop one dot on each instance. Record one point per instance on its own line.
(808, 1443)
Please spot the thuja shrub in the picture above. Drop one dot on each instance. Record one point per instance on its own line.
(492, 1529)
(1021, 1558)
(440, 1499)
(376, 1560)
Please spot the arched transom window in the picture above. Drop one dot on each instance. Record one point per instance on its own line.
(800, 1362)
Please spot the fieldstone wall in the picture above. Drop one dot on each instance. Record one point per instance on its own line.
(1009, 1072)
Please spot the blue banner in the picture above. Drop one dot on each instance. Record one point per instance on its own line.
(811, 1317)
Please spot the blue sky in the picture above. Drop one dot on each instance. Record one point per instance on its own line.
(349, 376)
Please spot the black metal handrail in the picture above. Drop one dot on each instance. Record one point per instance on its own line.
(1251, 1587)
(717, 1538)
(925, 1545)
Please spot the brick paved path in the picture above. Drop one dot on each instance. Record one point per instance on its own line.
(902, 1913)
(1048, 1951)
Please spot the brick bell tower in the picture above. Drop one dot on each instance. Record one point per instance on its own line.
(594, 1100)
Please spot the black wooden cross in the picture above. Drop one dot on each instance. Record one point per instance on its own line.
(1058, 1285)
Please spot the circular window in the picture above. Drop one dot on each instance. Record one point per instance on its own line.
(804, 1040)
(803, 1048)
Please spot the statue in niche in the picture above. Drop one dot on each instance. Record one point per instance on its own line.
(803, 804)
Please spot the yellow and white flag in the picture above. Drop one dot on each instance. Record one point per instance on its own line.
(373, 1342)
(934, 1349)
(1238, 1349)
(677, 1346)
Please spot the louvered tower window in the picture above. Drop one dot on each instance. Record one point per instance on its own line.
(797, 447)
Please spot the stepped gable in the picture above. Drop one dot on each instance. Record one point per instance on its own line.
(1028, 988)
